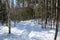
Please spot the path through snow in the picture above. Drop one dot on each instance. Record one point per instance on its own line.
(27, 30)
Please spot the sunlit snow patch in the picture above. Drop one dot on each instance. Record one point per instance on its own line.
(41, 35)
(3, 29)
(17, 31)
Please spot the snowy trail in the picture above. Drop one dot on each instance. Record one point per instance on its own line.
(27, 30)
(24, 35)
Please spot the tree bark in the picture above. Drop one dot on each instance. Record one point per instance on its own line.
(46, 12)
(51, 13)
(8, 15)
(57, 21)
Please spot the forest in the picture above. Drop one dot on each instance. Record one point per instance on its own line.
(21, 10)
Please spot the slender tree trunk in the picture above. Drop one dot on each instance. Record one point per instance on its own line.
(23, 3)
(51, 12)
(56, 33)
(14, 12)
(57, 21)
(46, 12)
(42, 17)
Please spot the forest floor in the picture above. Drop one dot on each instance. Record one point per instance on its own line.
(27, 30)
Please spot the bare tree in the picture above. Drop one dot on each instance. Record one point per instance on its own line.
(14, 12)
(46, 12)
(23, 3)
(8, 15)
(51, 12)
(57, 20)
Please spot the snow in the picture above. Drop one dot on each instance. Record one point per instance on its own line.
(3, 29)
(44, 35)
(16, 31)
(27, 30)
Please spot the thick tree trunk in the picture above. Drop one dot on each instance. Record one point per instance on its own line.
(8, 15)
(9, 23)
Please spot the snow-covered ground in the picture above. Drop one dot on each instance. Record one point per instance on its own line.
(27, 30)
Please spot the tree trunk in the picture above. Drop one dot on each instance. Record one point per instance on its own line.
(23, 3)
(56, 32)
(8, 15)
(51, 12)
(57, 21)
(46, 12)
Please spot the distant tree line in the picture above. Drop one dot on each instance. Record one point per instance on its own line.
(3, 13)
